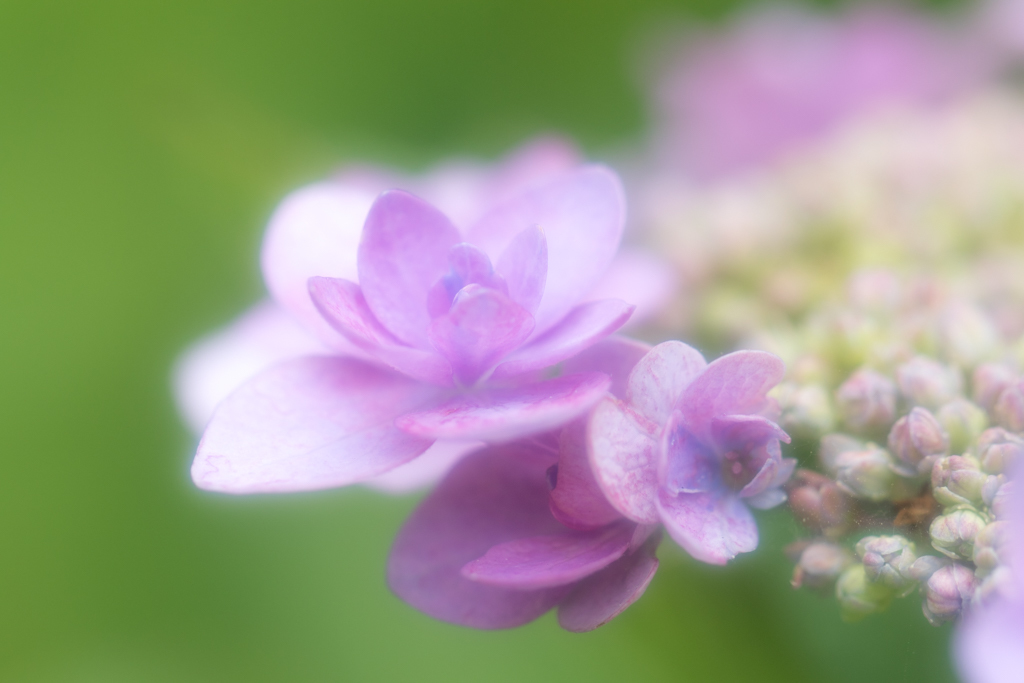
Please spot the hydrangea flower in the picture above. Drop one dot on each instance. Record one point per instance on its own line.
(690, 446)
(445, 336)
(515, 530)
(316, 232)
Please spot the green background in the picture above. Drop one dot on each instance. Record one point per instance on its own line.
(142, 146)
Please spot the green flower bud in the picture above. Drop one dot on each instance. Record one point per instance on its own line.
(997, 449)
(958, 480)
(966, 335)
(917, 440)
(947, 592)
(988, 545)
(858, 597)
(867, 400)
(1008, 410)
(989, 380)
(866, 473)
(963, 422)
(887, 559)
(806, 410)
(820, 564)
(818, 503)
(834, 445)
(926, 382)
(953, 534)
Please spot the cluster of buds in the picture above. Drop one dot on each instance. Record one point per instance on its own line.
(911, 489)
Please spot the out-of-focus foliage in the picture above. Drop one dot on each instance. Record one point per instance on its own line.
(142, 147)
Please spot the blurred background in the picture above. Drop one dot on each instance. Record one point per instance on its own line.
(142, 147)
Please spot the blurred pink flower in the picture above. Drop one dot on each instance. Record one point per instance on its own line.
(516, 530)
(690, 447)
(778, 79)
(444, 337)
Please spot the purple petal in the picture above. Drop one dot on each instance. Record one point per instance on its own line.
(524, 266)
(641, 278)
(582, 215)
(655, 387)
(743, 432)
(552, 560)
(314, 231)
(601, 597)
(735, 384)
(623, 456)
(309, 423)
(342, 304)
(424, 470)
(615, 356)
(210, 369)
(482, 326)
(688, 466)
(403, 252)
(493, 496)
(987, 646)
(765, 500)
(508, 413)
(468, 265)
(577, 500)
(712, 528)
(582, 327)
(753, 443)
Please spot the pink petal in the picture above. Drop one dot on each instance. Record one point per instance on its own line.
(491, 497)
(504, 414)
(424, 470)
(468, 265)
(482, 326)
(403, 252)
(524, 266)
(552, 560)
(623, 455)
(987, 646)
(582, 215)
(577, 500)
(656, 385)
(735, 384)
(209, 370)
(582, 327)
(342, 304)
(641, 279)
(315, 231)
(712, 528)
(601, 597)
(614, 356)
(309, 423)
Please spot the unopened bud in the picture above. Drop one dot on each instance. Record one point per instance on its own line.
(998, 496)
(963, 422)
(988, 546)
(887, 559)
(947, 592)
(866, 473)
(953, 534)
(858, 597)
(820, 564)
(924, 566)
(834, 445)
(867, 400)
(998, 449)
(927, 382)
(966, 334)
(806, 411)
(917, 440)
(1008, 410)
(818, 502)
(958, 480)
(989, 380)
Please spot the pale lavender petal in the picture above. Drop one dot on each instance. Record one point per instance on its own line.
(687, 465)
(738, 432)
(599, 598)
(785, 471)
(987, 647)
(623, 455)
(403, 252)
(551, 560)
(576, 499)
(752, 442)
(342, 304)
(468, 265)
(614, 356)
(524, 266)
(582, 327)
(309, 423)
(712, 528)
(765, 500)
(482, 326)
(424, 470)
(503, 414)
(314, 232)
(209, 370)
(735, 384)
(655, 387)
(582, 216)
(640, 278)
(493, 496)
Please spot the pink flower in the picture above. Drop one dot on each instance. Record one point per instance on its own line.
(515, 530)
(445, 336)
(780, 79)
(690, 447)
